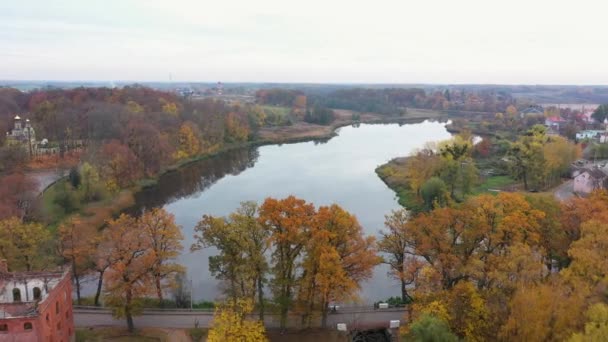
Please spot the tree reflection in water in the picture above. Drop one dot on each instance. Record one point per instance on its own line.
(194, 178)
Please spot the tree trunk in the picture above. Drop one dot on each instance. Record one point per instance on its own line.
(99, 283)
(324, 311)
(261, 298)
(128, 313)
(159, 291)
(77, 281)
(404, 294)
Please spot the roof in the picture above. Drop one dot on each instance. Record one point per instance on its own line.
(594, 173)
(17, 117)
(555, 119)
(533, 109)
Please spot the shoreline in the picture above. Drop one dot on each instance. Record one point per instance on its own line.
(298, 133)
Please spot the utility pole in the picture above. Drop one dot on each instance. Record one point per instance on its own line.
(191, 292)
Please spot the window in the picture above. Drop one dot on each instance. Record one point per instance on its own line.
(58, 326)
(37, 293)
(16, 295)
(27, 326)
(3, 328)
(67, 314)
(56, 307)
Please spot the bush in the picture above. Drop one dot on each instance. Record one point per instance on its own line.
(319, 115)
(197, 334)
(429, 328)
(434, 191)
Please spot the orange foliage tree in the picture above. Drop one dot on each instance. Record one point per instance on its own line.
(289, 220)
(131, 258)
(338, 257)
(76, 240)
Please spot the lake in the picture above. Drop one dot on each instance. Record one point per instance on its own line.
(340, 170)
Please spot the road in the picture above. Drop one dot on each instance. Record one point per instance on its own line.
(188, 319)
(44, 178)
(565, 191)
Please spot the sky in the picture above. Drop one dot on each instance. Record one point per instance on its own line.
(328, 41)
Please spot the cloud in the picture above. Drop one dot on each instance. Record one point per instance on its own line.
(465, 41)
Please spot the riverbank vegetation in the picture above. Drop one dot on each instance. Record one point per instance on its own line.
(455, 169)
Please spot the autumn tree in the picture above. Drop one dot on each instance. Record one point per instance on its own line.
(289, 221)
(76, 241)
(17, 195)
(397, 244)
(546, 312)
(150, 147)
(189, 141)
(596, 328)
(26, 246)
(164, 238)
(118, 165)
(230, 323)
(131, 259)
(337, 259)
(242, 243)
(558, 155)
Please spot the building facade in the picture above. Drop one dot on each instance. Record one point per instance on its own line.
(22, 132)
(35, 306)
(590, 180)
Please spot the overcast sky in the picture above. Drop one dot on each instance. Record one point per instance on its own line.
(371, 41)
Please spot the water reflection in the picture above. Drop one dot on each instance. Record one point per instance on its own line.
(339, 170)
(195, 178)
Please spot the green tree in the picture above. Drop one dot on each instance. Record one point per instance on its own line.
(434, 192)
(526, 158)
(429, 328)
(601, 113)
(242, 243)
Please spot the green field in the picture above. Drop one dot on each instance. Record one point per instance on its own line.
(494, 183)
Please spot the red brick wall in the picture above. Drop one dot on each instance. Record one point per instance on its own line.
(55, 322)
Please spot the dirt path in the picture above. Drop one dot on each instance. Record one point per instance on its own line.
(178, 335)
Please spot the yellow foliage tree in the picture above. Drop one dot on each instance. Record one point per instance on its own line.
(165, 241)
(23, 244)
(76, 240)
(596, 328)
(189, 143)
(230, 323)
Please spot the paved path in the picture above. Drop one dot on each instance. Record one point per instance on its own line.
(44, 178)
(188, 319)
(565, 191)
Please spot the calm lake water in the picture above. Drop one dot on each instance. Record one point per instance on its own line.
(340, 171)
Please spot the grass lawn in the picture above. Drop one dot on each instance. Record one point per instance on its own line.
(422, 113)
(282, 111)
(494, 183)
(120, 335)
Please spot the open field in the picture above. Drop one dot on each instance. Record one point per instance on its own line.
(303, 130)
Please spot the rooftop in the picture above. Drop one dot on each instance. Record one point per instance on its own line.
(22, 292)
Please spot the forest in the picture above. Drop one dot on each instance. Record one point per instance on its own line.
(471, 265)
